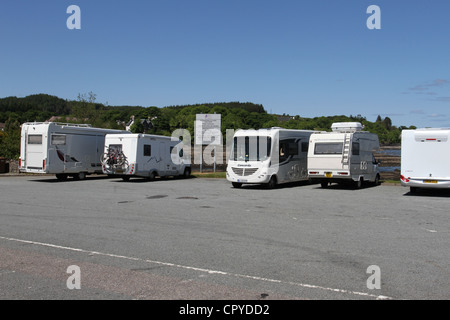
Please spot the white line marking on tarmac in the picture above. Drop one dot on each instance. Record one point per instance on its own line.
(209, 271)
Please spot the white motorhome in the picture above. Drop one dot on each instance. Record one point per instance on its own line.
(268, 156)
(144, 155)
(425, 158)
(343, 155)
(63, 149)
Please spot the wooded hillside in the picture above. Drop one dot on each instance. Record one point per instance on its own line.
(163, 120)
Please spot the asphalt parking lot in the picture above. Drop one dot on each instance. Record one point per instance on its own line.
(202, 239)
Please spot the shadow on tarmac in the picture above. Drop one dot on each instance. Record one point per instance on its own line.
(424, 192)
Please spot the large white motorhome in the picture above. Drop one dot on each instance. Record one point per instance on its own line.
(61, 148)
(268, 156)
(425, 158)
(343, 155)
(144, 155)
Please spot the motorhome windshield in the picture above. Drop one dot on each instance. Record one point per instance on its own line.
(251, 148)
(328, 148)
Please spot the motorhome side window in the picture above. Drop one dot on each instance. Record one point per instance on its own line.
(251, 148)
(288, 148)
(58, 139)
(328, 148)
(355, 148)
(305, 146)
(35, 139)
(147, 150)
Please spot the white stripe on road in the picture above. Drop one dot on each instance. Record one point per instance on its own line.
(167, 264)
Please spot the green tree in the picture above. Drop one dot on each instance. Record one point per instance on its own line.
(84, 109)
(10, 140)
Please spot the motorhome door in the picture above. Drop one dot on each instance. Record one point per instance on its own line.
(35, 150)
(57, 151)
(163, 164)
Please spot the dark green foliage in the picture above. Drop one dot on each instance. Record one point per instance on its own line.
(235, 115)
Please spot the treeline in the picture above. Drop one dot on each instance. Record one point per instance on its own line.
(163, 121)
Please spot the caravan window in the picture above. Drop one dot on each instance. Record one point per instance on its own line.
(305, 146)
(256, 148)
(288, 147)
(58, 139)
(35, 139)
(355, 148)
(147, 150)
(328, 148)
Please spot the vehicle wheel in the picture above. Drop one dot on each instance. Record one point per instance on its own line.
(377, 180)
(126, 178)
(187, 173)
(61, 177)
(324, 184)
(81, 176)
(272, 183)
(236, 184)
(152, 176)
(413, 189)
(359, 183)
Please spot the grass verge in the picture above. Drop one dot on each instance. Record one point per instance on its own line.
(209, 174)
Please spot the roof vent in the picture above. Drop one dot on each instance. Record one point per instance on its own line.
(346, 126)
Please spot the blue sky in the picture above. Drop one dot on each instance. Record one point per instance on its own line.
(309, 58)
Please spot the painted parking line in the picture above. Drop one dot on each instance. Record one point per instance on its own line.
(204, 270)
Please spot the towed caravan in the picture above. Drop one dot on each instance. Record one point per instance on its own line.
(425, 158)
(62, 149)
(268, 156)
(144, 155)
(343, 155)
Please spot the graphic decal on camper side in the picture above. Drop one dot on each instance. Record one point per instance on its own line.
(154, 158)
(65, 158)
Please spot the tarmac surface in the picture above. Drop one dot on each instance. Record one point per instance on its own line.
(201, 239)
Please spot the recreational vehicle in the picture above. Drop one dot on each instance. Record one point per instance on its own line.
(144, 155)
(62, 149)
(343, 155)
(425, 158)
(268, 156)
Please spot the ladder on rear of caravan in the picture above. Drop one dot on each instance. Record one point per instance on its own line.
(346, 150)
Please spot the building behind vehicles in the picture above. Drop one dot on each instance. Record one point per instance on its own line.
(144, 155)
(268, 156)
(425, 158)
(343, 155)
(63, 149)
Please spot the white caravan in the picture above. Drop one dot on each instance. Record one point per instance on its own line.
(343, 155)
(425, 158)
(144, 155)
(268, 156)
(62, 149)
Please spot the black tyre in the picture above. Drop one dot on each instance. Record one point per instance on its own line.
(152, 176)
(272, 183)
(81, 176)
(359, 183)
(126, 178)
(187, 173)
(236, 184)
(377, 180)
(324, 184)
(61, 177)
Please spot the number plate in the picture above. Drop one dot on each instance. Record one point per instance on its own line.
(328, 174)
(430, 181)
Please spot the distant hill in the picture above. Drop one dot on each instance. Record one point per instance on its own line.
(235, 115)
